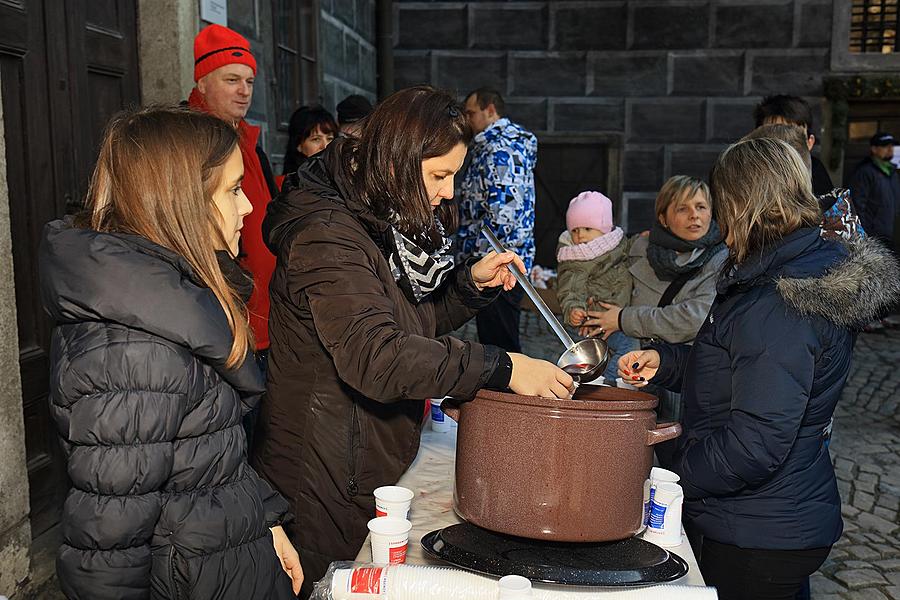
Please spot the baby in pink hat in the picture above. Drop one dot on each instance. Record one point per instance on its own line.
(593, 266)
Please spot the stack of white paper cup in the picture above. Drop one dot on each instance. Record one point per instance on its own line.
(390, 539)
(664, 528)
(393, 501)
(407, 582)
(439, 421)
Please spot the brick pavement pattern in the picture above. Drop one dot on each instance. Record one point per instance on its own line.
(865, 449)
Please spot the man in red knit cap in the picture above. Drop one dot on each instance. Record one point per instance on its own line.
(224, 71)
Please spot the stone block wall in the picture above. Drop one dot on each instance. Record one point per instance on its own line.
(347, 50)
(675, 80)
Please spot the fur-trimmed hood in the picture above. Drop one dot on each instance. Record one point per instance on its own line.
(851, 293)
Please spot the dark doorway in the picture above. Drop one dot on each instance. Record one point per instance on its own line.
(65, 67)
(568, 165)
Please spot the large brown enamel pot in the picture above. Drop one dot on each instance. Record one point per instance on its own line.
(556, 470)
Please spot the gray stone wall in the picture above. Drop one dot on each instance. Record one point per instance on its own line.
(15, 529)
(347, 50)
(675, 80)
(253, 20)
(166, 31)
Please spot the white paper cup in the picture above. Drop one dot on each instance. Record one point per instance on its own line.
(439, 421)
(624, 384)
(390, 539)
(393, 501)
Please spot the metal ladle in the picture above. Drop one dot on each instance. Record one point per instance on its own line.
(583, 360)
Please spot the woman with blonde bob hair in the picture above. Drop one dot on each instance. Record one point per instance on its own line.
(765, 372)
(152, 371)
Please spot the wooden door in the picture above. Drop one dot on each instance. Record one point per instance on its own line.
(64, 67)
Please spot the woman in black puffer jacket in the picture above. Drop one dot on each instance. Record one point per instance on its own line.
(151, 373)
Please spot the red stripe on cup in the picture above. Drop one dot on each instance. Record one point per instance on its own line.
(366, 580)
(397, 556)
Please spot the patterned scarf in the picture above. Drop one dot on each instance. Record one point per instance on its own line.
(417, 272)
(664, 246)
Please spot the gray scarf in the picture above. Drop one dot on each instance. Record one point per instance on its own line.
(664, 246)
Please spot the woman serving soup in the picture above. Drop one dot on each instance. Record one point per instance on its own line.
(364, 290)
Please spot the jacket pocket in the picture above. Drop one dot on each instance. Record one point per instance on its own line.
(353, 449)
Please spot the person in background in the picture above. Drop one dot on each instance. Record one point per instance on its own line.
(151, 370)
(364, 295)
(224, 72)
(310, 130)
(875, 190)
(498, 191)
(593, 267)
(351, 111)
(764, 375)
(673, 273)
(839, 219)
(794, 110)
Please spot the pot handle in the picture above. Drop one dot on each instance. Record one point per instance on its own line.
(451, 410)
(663, 432)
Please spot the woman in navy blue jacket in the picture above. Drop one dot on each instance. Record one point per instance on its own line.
(763, 377)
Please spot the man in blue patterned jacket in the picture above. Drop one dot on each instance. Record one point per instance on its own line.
(498, 190)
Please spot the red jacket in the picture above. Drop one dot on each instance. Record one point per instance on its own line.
(256, 257)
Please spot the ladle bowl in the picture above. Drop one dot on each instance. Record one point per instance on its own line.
(585, 360)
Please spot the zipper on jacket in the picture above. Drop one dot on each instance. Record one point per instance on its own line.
(352, 438)
(174, 575)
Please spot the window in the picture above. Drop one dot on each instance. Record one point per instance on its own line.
(296, 56)
(873, 26)
(864, 36)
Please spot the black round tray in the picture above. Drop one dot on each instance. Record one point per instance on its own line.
(631, 562)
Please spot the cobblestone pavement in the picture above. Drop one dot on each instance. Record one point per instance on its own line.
(865, 448)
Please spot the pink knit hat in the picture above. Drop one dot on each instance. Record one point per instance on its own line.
(590, 209)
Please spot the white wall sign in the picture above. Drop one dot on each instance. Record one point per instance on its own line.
(214, 11)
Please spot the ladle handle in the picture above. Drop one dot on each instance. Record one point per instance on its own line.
(529, 289)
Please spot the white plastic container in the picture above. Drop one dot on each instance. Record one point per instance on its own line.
(390, 539)
(657, 474)
(664, 528)
(514, 587)
(393, 501)
(439, 421)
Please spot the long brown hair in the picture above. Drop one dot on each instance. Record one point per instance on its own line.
(761, 192)
(155, 177)
(405, 129)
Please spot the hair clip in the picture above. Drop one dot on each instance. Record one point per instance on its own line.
(453, 111)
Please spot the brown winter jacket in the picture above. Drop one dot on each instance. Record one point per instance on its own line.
(351, 362)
